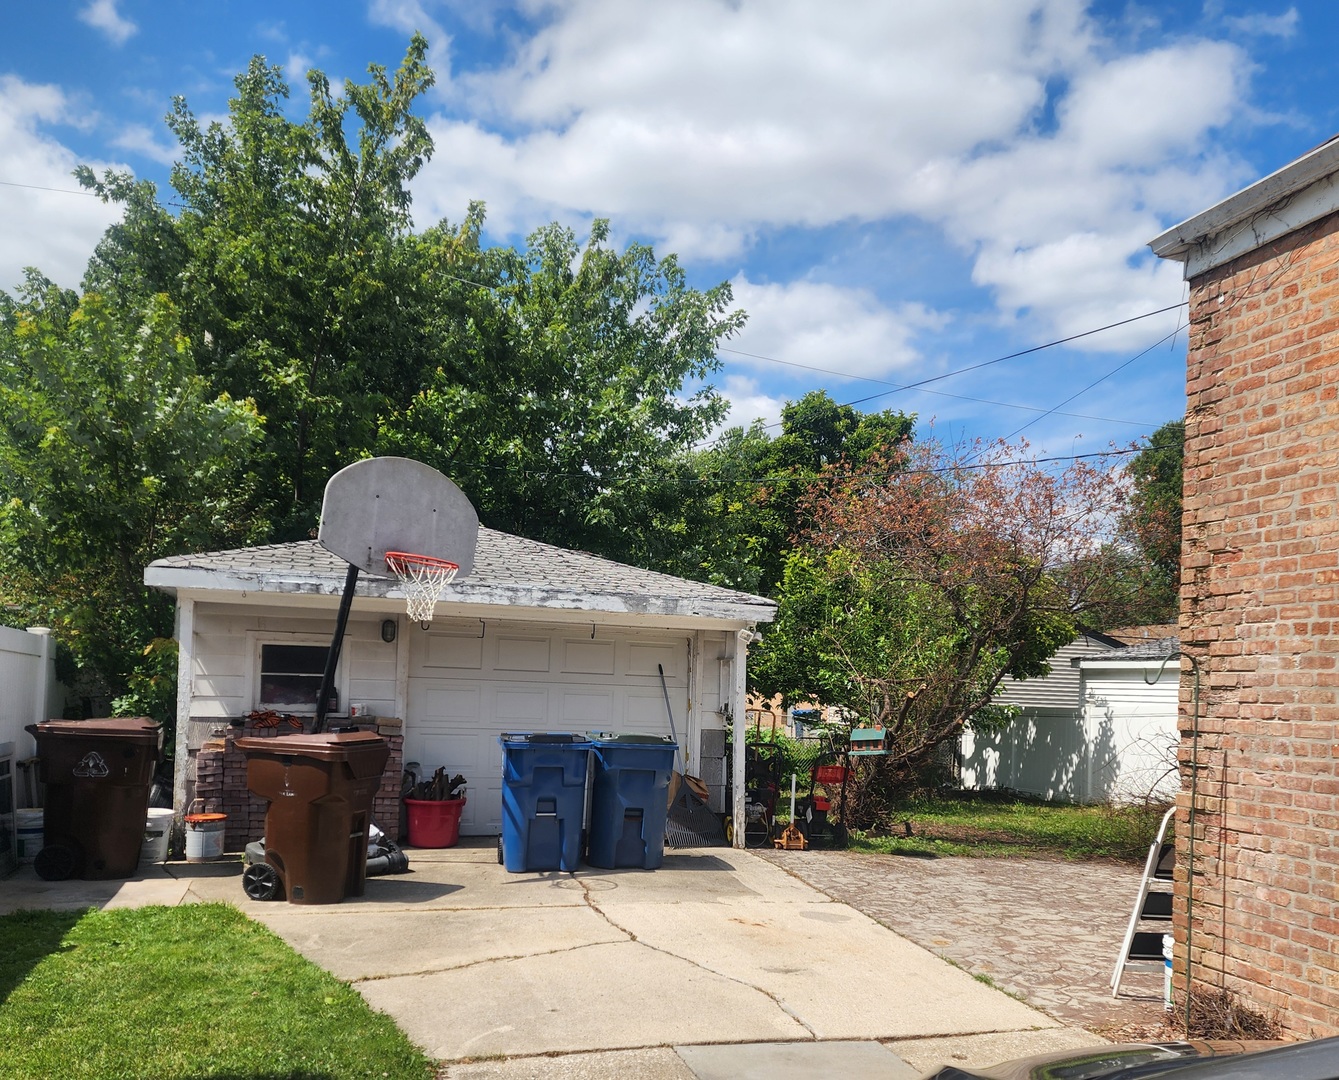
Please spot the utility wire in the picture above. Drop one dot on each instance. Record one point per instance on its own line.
(897, 388)
(1118, 368)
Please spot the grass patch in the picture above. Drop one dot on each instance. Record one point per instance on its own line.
(171, 993)
(998, 827)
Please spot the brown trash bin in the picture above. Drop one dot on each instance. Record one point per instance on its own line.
(320, 789)
(97, 775)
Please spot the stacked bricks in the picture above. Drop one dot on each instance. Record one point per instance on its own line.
(220, 780)
(386, 803)
(1260, 626)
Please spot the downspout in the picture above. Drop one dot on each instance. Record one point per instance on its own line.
(1190, 824)
(1190, 817)
(181, 746)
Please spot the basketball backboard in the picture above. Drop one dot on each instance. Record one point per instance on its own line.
(396, 504)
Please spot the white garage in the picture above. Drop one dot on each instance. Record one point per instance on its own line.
(536, 638)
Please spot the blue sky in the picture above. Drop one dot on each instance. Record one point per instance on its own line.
(897, 191)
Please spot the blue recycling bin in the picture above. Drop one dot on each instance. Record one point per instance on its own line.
(543, 800)
(629, 800)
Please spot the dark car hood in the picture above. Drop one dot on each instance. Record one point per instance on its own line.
(1315, 1060)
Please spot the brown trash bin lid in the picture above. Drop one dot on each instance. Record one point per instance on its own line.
(119, 727)
(341, 746)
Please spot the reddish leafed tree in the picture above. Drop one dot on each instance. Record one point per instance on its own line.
(927, 579)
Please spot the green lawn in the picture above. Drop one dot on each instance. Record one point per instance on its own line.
(183, 992)
(994, 826)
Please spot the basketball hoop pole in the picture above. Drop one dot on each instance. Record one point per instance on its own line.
(336, 643)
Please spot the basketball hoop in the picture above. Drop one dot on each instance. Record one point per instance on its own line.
(423, 578)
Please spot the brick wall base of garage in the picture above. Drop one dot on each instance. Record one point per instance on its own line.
(1260, 617)
(220, 781)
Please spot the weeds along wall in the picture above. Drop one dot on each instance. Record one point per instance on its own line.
(1260, 615)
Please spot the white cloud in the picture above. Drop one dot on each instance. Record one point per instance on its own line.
(56, 229)
(295, 69)
(102, 15)
(1258, 25)
(141, 139)
(1034, 143)
(409, 16)
(813, 324)
(748, 403)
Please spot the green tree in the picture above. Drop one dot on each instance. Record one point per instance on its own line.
(290, 263)
(925, 582)
(738, 506)
(113, 452)
(557, 402)
(1153, 521)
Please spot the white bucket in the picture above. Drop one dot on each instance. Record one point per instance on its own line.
(204, 836)
(157, 836)
(28, 825)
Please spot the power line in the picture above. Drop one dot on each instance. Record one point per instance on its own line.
(39, 187)
(1013, 355)
(1119, 367)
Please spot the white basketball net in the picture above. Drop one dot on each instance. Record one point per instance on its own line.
(423, 578)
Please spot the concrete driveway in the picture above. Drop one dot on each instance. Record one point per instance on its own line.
(718, 964)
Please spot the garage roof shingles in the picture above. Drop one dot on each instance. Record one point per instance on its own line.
(508, 570)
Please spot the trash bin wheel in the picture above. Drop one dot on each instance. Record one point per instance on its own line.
(499, 851)
(58, 862)
(261, 882)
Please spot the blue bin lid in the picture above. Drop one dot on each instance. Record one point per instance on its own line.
(544, 738)
(605, 738)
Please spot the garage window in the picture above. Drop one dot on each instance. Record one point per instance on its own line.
(290, 676)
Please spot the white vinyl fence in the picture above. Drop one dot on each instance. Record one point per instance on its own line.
(30, 692)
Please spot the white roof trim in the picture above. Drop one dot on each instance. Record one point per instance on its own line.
(1301, 192)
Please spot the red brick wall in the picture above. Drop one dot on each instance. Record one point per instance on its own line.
(1260, 616)
(220, 783)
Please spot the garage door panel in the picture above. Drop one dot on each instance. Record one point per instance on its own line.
(586, 710)
(444, 705)
(646, 659)
(520, 708)
(588, 657)
(523, 654)
(458, 752)
(453, 652)
(482, 815)
(644, 711)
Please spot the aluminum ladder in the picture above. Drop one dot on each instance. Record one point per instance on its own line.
(1143, 948)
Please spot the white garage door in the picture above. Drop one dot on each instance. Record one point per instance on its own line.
(466, 688)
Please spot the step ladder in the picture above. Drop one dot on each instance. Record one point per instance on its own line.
(1143, 948)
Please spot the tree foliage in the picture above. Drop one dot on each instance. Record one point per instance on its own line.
(113, 452)
(925, 582)
(1152, 521)
(290, 263)
(732, 510)
(556, 401)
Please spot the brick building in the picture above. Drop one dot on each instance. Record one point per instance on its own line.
(1258, 822)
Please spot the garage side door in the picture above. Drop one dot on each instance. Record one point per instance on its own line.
(466, 688)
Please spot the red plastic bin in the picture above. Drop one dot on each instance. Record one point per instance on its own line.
(830, 774)
(434, 823)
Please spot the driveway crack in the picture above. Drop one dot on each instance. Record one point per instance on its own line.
(778, 1002)
(481, 962)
